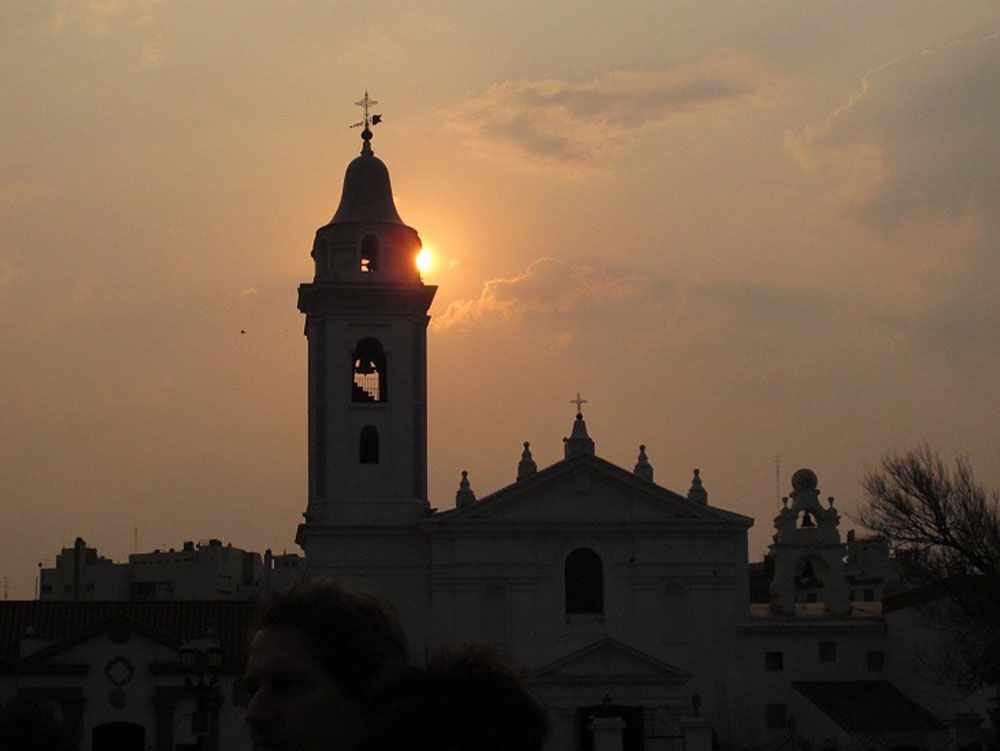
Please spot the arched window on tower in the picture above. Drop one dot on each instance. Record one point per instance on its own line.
(369, 253)
(370, 384)
(368, 445)
(584, 583)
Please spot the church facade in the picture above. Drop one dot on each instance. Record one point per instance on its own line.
(626, 603)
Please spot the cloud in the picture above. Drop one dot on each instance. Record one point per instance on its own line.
(566, 304)
(925, 125)
(547, 288)
(248, 292)
(914, 154)
(575, 127)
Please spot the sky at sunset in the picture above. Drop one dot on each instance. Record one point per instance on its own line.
(740, 230)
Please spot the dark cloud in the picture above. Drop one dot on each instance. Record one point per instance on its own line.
(571, 127)
(932, 119)
(601, 309)
(925, 128)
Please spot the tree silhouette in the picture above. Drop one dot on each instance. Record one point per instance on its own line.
(944, 529)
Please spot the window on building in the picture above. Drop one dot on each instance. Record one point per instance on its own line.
(774, 661)
(368, 445)
(584, 583)
(142, 589)
(876, 661)
(369, 372)
(828, 651)
(369, 253)
(776, 716)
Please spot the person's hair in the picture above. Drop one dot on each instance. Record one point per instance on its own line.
(468, 699)
(353, 635)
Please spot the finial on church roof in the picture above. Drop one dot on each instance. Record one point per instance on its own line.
(643, 468)
(464, 497)
(578, 442)
(526, 467)
(697, 492)
(369, 122)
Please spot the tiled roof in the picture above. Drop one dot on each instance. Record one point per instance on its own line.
(179, 620)
(867, 706)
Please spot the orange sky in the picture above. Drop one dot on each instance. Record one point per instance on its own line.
(740, 230)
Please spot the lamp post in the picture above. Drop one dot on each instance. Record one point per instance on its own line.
(201, 676)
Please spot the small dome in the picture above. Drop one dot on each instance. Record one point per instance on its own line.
(367, 195)
(804, 479)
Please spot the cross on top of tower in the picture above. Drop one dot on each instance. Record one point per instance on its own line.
(366, 102)
(579, 403)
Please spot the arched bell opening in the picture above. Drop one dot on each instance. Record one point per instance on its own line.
(370, 382)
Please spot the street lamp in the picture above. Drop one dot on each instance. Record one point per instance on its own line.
(201, 676)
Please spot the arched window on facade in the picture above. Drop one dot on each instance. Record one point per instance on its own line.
(370, 383)
(369, 253)
(368, 445)
(584, 583)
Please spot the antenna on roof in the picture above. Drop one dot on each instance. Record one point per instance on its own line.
(777, 478)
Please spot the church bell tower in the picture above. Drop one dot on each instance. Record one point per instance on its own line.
(366, 323)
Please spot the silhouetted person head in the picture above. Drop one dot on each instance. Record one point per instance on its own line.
(464, 700)
(314, 654)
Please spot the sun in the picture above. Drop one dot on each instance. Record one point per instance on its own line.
(424, 260)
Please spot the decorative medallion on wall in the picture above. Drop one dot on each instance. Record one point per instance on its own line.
(119, 670)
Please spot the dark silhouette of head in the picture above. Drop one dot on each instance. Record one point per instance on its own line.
(464, 700)
(315, 653)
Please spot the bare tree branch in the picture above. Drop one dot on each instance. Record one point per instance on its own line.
(945, 528)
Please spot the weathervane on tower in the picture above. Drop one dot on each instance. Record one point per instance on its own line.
(370, 120)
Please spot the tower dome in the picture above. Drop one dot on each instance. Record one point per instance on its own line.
(367, 194)
(366, 241)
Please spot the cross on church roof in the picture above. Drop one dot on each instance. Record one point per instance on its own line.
(578, 402)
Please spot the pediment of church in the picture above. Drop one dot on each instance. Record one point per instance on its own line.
(586, 488)
(609, 660)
